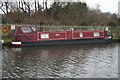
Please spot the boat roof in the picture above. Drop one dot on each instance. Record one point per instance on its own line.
(24, 25)
(51, 28)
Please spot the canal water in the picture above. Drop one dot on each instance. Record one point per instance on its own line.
(71, 61)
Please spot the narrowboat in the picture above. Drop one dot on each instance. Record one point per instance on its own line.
(28, 35)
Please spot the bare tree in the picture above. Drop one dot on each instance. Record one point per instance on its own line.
(21, 6)
(5, 7)
(46, 4)
(2, 7)
(98, 8)
(27, 6)
(35, 6)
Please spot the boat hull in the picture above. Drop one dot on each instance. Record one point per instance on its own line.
(64, 42)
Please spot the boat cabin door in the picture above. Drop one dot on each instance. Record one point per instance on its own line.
(70, 33)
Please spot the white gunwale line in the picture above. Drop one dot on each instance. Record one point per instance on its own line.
(16, 42)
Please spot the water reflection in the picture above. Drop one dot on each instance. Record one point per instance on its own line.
(74, 61)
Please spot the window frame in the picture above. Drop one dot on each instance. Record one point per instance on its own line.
(81, 34)
(33, 28)
(96, 34)
(44, 36)
(28, 28)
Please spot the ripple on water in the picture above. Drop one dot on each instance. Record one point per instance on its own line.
(77, 61)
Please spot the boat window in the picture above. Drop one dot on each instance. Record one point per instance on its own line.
(33, 28)
(96, 34)
(81, 34)
(43, 36)
(26, 29)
